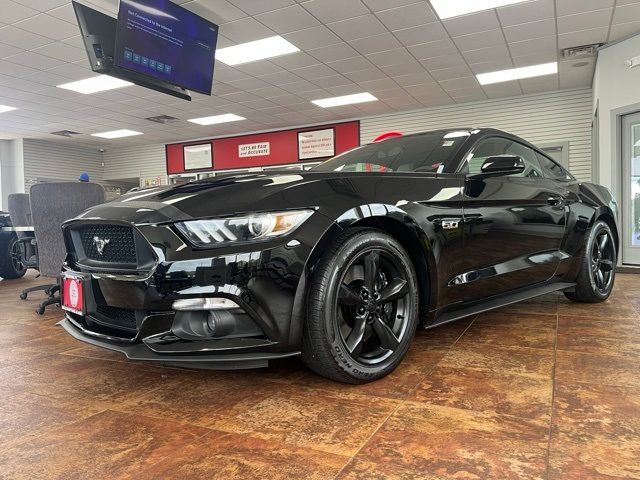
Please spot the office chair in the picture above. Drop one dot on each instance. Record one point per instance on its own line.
(26, 251)
(51, 205)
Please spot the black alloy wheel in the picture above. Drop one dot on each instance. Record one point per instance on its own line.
(596, 276)
(362, 309)
(602, 261)
(371, 308)
(10, 265)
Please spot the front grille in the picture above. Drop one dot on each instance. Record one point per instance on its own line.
(116, 317)
(118, 243)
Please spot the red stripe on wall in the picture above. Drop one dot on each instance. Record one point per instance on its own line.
(283, 148)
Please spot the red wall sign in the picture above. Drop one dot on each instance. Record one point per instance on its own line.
(282, 148)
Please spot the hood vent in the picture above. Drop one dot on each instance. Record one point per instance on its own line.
(65, 133)
(163, 119)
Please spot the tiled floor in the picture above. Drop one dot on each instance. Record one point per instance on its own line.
(542, 389)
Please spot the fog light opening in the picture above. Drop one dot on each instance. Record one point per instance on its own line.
(220, 323)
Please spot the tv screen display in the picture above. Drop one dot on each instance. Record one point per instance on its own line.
(163, 40)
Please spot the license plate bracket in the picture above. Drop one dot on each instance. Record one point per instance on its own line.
(74, 298)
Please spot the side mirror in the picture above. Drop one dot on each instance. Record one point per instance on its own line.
(501, 165)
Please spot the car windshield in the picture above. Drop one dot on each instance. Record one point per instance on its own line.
(426, 152)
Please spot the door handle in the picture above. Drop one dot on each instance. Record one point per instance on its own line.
(555, 200)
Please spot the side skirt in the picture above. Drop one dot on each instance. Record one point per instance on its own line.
(496, 302)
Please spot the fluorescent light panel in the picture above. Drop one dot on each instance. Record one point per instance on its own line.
(455, 8)
(5, 108)
(117, 134)
(344, 100)
(227, 117)
(517, 73)
(256, 50)
(95, 84)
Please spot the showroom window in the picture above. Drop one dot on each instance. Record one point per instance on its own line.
(494, 146)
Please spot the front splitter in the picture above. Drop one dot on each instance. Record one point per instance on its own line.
(138, 351)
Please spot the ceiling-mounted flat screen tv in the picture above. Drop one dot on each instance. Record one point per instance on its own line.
(162, 40)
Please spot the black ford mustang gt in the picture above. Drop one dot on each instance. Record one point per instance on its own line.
(340, 264)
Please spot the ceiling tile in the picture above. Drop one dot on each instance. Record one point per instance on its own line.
(14, 12)
(406, 16)
(376, 43)
(61, 51)
(332, 53)
(295, 60)
(357, 27)
(287, 19)
(21, 38)
(450, 73)
(65, 12)
(35, 60)
(526, 12)
(421, 34)
(403, 68)
(349, 65)
(546, 45)
(583, 37)
(48, 26)
(473, 23)
(328, 11)
(627, 13)
(216, 11)
(8, 50)
(478, 40)
(584, 21)
(391, 57)
(540, 84)
(496, 53)
(527, 31)
(314, 37)
(443, 61)
(253, 7)
(377, 5)
(245, 30)
(459, 83)
(433, 49)
(623, 30)
(568, 7)
(413, 79)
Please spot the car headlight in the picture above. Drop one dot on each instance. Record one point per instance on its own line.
(247, 228)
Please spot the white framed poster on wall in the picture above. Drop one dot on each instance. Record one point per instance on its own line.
(316, 144)
(197, 157)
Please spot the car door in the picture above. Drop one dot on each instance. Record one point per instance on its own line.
(513, 225)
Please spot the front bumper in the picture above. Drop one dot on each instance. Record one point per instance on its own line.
(267, 284)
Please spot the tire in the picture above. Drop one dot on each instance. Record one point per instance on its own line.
(9, 268)
(596, 277)
(348, 302)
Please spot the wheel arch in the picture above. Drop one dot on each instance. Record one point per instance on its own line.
(606, 215)
(394, 222)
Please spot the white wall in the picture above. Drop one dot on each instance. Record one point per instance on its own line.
(11, 170)
(562, 116)
(129, 162)
(45, 160)
(542, 119)
(616, 92)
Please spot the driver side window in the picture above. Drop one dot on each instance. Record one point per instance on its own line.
(493, 146)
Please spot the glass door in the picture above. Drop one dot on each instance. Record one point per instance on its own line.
(631, 189)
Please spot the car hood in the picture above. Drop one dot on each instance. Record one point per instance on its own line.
(255, 192)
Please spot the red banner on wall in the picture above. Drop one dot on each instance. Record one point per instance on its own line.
(262, 149)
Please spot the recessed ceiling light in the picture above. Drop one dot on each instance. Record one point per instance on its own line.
(227, 117)
(95, 84)
(256, 50)
(344, 100)
(517, 73)
(5, 108)
(117, 134)
(455, 8)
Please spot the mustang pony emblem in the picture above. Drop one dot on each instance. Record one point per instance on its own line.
(100, 243)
